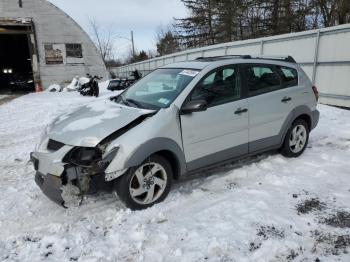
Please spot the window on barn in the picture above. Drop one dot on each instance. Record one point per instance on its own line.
(74, 50)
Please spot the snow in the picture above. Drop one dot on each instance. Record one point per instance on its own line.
(246, 211)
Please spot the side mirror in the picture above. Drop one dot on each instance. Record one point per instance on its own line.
(194, 106)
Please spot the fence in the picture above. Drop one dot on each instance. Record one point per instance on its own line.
(324, 54)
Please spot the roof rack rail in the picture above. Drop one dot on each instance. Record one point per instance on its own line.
(215, 58)
(289, 59)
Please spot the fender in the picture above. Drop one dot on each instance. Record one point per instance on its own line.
(155, 145)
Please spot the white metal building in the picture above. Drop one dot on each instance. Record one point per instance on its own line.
(38, 38)
(324, 55)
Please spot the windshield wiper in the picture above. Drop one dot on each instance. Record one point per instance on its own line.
(132, 101)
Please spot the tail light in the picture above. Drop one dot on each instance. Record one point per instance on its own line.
(317, 95)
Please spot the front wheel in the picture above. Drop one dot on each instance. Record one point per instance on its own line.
(296, 139)
(145, 185)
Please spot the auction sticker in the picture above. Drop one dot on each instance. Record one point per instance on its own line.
(163, 101)
(191, 73)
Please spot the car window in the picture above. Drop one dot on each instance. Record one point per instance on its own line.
(159, 88)
(289, 76)
(219, 87)
(261, 79)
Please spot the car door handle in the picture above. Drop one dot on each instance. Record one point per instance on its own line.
(286, 99)
(241, 111)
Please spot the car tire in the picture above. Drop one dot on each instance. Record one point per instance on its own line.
(296, 139)
(148, 184)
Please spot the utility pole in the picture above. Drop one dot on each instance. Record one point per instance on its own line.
(133, 45)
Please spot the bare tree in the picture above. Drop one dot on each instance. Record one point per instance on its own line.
(104, 39)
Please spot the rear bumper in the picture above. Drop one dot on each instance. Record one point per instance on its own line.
(315, 115)
(51, 186)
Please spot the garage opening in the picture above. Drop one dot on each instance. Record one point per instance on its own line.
(16, 73)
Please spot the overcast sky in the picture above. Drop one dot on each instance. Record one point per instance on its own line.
(141, 16)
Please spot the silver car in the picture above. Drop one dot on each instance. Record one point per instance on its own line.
(177, 120)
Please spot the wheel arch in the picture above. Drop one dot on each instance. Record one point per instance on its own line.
(306, 118)
(300, 112)
(165, 147)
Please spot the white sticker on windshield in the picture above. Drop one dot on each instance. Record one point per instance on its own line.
(163, 101)
(191, 73)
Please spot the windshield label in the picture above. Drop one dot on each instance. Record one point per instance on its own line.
(163, 101)
(191, 73)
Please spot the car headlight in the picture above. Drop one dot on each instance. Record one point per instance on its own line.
(84, 156)
(30, 81)
(90, 157)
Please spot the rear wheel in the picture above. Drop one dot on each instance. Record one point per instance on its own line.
(147, 184)
(296, 139)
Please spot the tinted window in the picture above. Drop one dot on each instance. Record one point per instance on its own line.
(289, 76)
(219, 87)
(261, 79)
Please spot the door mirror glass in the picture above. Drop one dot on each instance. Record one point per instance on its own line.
(194, 106)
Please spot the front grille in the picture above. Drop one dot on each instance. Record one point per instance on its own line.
(54, 145)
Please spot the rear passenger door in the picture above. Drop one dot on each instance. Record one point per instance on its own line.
(271, 96)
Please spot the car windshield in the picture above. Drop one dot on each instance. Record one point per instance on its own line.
(158, 89)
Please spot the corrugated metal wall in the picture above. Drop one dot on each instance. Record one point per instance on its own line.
(324, 55)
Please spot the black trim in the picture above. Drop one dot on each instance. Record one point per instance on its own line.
(289, 59)
(35, 161)
(218, 157)
(54, 145)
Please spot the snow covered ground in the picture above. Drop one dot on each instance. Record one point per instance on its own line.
(265, 208)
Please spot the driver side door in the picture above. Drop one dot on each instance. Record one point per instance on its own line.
(221, 131)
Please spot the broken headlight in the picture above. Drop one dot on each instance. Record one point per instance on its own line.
(90, 157)
(84, 156)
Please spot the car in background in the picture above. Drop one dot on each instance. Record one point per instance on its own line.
(119, 84)
(114, 85)
(21, 83)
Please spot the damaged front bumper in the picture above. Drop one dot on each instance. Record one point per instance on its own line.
(51, 186)
(68, 189)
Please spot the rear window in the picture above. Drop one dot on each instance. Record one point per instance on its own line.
(289, 76)
(261, 79)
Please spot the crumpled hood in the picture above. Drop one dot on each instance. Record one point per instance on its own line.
(90, 124)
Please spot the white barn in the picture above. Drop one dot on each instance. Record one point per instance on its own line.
(39, 39)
